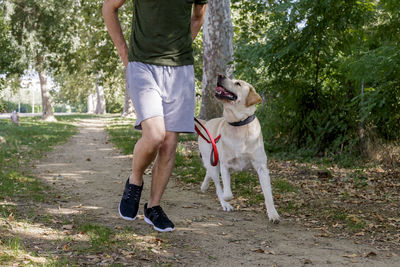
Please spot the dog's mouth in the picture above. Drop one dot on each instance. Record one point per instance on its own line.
(224, 94)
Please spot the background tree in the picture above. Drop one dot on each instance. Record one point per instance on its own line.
(10, 63)
(97, 61)
(217, 53)
(43, 32)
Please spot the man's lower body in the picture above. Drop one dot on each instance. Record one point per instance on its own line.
(163, 97)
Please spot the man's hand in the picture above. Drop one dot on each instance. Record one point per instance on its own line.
(110, 15)
(197, 19)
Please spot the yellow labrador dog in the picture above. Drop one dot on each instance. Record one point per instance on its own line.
(241, 144)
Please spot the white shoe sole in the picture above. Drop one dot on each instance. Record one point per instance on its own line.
(169, 229)
(124, 217)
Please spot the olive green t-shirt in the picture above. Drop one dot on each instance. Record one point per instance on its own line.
(161, 33)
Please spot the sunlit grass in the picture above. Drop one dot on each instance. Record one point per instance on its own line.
(20, 144)
(100, 236)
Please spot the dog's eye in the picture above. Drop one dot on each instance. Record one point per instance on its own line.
(238, 83)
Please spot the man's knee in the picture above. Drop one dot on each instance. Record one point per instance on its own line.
(154, 138)
(170, 142)
(153, 131)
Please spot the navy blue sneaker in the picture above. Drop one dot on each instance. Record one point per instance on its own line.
(129, 206)
(156, 217)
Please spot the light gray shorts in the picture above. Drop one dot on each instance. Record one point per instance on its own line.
(162, 91)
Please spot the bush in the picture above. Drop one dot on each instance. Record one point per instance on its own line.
(8, 107)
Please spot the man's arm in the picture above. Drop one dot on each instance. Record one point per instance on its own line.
(197, 19)
(110, 15)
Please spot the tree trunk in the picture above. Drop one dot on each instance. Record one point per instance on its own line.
(101, 102)
(91, 103)
(129, 110)
(217, 53)
(47, 106)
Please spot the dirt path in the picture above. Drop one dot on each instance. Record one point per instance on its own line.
(92, 172)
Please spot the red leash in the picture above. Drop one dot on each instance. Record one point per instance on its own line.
(214, 152)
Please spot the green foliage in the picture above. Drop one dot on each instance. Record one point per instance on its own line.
(42, 30)
(8, 107)
(95, 59)
(308, 60)
(10, 55)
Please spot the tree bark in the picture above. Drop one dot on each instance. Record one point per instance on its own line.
(47, 106)
(217, 53)
(101, 102)
(129, 110)
(91, 103)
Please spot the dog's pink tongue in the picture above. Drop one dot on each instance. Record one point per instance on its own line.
(219, 89)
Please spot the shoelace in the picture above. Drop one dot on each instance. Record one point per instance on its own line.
(133, 192)
(158, 211)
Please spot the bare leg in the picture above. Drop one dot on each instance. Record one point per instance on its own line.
(146, 148)
(162, 168)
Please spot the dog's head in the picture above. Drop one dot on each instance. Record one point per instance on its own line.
(236, 91)
(236, 95)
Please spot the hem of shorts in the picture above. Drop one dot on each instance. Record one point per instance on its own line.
(180, 130)
(139, 128)
(138, 122)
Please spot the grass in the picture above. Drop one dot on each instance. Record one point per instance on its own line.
(100, 236)
(15, 247)
(19, 146)
(284, 186)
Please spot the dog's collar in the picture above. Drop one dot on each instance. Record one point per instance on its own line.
(243, 122)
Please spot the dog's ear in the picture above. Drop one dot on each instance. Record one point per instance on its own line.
(253, 98)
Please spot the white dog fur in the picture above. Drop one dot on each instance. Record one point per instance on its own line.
(239, 147)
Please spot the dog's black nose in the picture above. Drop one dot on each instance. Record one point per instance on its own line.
(221, 77)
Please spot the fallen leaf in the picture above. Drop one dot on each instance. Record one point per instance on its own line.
(379, 217)
(350, 255)
(11, 217)
(260, 250)
(66, 247)
(307, 261)
(371, 254)
(68, 226)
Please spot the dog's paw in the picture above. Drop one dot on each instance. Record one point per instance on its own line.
(227, 196)
(273, 217)
(204, 187)
(226, 206)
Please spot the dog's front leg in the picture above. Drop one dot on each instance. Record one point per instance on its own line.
(265, 181)
(213, 172)
(226, 183)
